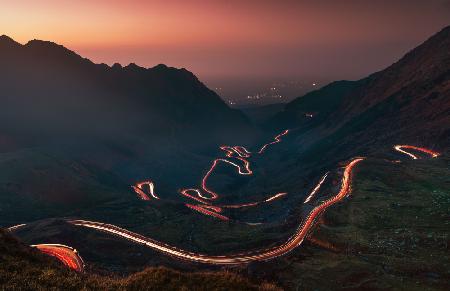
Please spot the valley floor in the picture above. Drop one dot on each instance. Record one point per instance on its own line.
(391, 233)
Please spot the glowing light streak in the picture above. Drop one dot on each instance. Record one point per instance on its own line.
(219, 208)
(139, 189)
(314, 191)
(276, 196)
(250, 204)
(277, 139)
(243, 151)
(242, 258)
(196, 194)
(236, 152)
(242, 154)
(185, 192)
(204, 210)
(13, 228)
(67, 255)
(239, 150)
(213, 194)
(400, 148)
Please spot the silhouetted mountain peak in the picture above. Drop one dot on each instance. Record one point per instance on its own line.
(6, 41)
(134, 67)
(117, 66)
(4, 37)
(51, 50)
(406, 101)
(432, 57)
(51, 79)
(160, 67)
(36, 43)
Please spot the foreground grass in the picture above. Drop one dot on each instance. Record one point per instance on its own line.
(392, 233)
(24, 268)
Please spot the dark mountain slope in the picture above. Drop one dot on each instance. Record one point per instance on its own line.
(46, 88)
(74, 134)
(406, 103)
(261, 114)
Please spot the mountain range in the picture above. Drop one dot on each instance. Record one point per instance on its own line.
(48, 90)
(75, 136)
(408, 102)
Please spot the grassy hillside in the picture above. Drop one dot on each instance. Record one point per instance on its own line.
(25, 268)
(391, 233)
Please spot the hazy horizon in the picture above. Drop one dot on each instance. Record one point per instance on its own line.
(249, 44)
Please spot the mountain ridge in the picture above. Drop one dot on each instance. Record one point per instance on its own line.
(406, 102)
(152, 96)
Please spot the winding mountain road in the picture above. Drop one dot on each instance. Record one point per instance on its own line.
(67, 255)
(71, 258)
(233, 259)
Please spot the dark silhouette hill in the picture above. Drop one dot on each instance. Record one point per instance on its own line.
(74, 134)
(48, 90)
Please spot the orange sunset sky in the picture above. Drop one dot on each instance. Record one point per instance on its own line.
(242, 39)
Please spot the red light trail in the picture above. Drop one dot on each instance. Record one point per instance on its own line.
(275, 197)
(242, 155)
(67, 255)
(242, 258)
(70, 256)
(205, 209)
(251, 204)
(314, 191)
(139, 189)
(401, 148)
(239, 153)
(213, 194)
(13, 228)
(277, 139)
